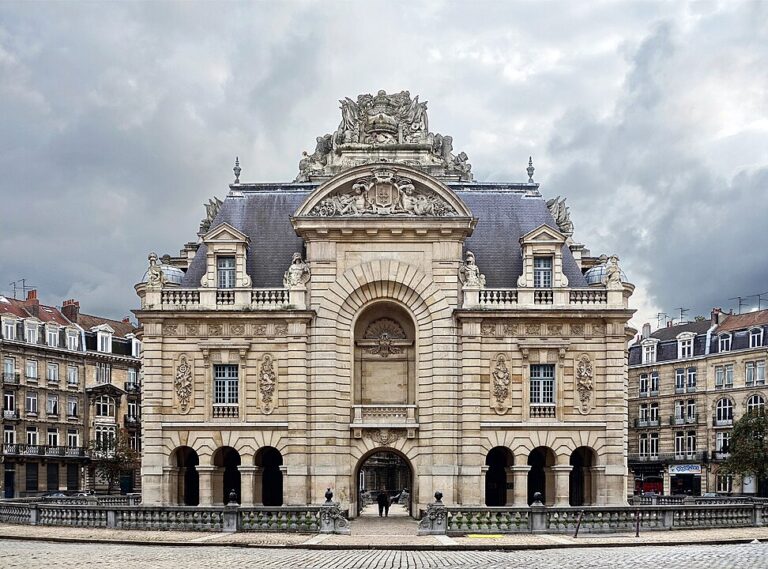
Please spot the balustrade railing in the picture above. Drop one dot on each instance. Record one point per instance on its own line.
(543, 296)
(588, 296)
(225, 411)
(270, 297)
(384, 414)
(543, 412)
(498, 297)
(11, 378)
(225, 297)
(180, 297)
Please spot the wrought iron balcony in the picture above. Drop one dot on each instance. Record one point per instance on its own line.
(43, 450)
(130, 422)
(11, 378)
(131, 387)
(722, 421)
(11, 414)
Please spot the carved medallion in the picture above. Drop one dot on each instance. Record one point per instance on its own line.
(385, 331)
(215, 329)
(260, 330)
(584, 383)
(488, 328)
(237, 329)
(510, 329)
(170, 329)
(500, 387)
(182, 383)
(267, 385)
(383, 436)
(191, 329)
(533, 329)
(555, 329)
(281, 329)
(577, 329)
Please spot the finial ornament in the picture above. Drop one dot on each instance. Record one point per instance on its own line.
(530, 170)
(237, 169)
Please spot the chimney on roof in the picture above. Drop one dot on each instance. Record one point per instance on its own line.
(646, 331)
(71, 309)
(669, 323)
(126, 320)
(716, 316)
(32, 304)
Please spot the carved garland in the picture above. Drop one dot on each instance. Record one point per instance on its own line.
(584, 383)
(183, 384)
(500, 387)
(267, 385)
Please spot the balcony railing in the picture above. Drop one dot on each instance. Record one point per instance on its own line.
(647, 422)
(669, 457)
(257, 298)
(270, 297)
(11, 378)
(543, 412)
(498, 297)
(720, 455)
(384, 415)
(722, 421)
(588, 296)
(180, 297)
(511, 297)
(131, 387)
(11, 414)
(225, 411)
(543, 296)
(43, 450)
(684, 420)
(130, 421)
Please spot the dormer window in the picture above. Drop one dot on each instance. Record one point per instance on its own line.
(685, 346)
(31, 333)
(72, 340)
(725, 343)
(135, 347)
(9, 329)
(649, 351)
(542, 272)
(755, 337)
(225, 272)
(52, 337)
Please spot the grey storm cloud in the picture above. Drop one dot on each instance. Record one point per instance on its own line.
(119, 120)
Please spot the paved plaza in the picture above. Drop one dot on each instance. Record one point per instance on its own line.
(27, 554)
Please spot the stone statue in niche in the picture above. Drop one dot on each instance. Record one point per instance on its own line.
(584, 383)
(500, 386)
(297, 274)
(155, 276)
(182, 383)
(469, 273)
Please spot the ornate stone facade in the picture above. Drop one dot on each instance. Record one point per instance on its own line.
(416, 320)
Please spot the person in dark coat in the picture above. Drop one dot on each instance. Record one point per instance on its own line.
(382, 498)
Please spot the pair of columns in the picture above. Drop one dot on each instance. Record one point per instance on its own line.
(561, 475)
(211, 484)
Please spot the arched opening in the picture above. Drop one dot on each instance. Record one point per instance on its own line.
(498, 489)
(389, 472)
(541, 476)
(185, 487)
(269, 477)
(227, 476)
(581, 484)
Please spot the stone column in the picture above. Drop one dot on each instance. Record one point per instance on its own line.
(218, 492)
(562, 483)
(247, 485)
(520, 478)
(667, 482)
(510, 492)
(205, 476)
(171, 476)
(599, 497)
(482, 483)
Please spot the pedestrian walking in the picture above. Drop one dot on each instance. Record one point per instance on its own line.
(382, 499)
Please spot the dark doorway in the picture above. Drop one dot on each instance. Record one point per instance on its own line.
(540, 479)
(9, 481)
(228, 459)
(496, 484)
(73, 477)
(686, 484)
(126, 482)
(270, 460)
(388, 471)
(580, 483)
(32, 482)
(188, 482)
(52, 479)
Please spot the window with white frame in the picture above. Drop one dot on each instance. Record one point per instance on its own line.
(755, 337)
(31, 332)
(31, 370)
(722, 441)
(725, 342)
(685, 348)
(52, 373)
(679, 409)
(225, 272)
(133, 442)
(654, 383)
(53, 437)
(31, 402)
(649, 353)
(52, 336)
(728, 375)
(724, 410)
(542, 384)
(72, 340)
(679, 444)
(724, 483)
(642, 414)
(132, 376)
(9, 401)
(105, 406)
(133, 410)
(679, 380)
(104, 435)
(72, 375)
(9, 329)
(135, 348)
(9, 367)
(724, 376)
(643, 384)
(691, 443)
(225, 384)
(755, 373)
(73, 438)
(104, 342)
(542, 272)
(653, 445)
(691, 409)
(103, 372)
(52, 404)
(691, 378)
(653, 413)
(755, 404)
(72, 407)
(9, 435)
(643, 445)
(32, 436)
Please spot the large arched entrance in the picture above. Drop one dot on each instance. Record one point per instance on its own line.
(227, 477)
(541, 476)
(581, 486)
(389, 471)
(498, 492)
(185, 489)
(269, 477)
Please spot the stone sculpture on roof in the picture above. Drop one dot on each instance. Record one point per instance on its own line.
(298, 273)
(384, 128)
(562, 215)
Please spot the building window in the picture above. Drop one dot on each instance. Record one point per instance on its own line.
(543, 384)
(31, 476)
(691, 379)
(755, 404)
(31, 402)
(31, 372)
(53, 437)
(725, 343)
(225, 270)
(691, 409)
(31, 330)
(103, 373)
(105, 436)
(105, 406)
(32, 436)
(724, 483)
(653, 445)
(654, 383)
(132, 410)
(9, 435)
(679, 410)
(132, 375)
(542, 272)
(724, 376)
(643, 445)
(755, 337)
(72, 375)
(724, 410)
(73, 438)
(104, 342)
(72, 340)
(649, 353)
(72, 407)
(9, 401)
(52, 406)
(685, 348)
(643, 391)
(225, 384)
(643, 413)
(653, 413)
(679, 380)
(52, 337)
(9, 329)
(691, 443)
(52, 373)
(9, 369)
(679, 444)
(133, 442)
(722, 441)
(755, 373)
(135, 348)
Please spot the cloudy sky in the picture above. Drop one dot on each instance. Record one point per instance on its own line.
(119, 120)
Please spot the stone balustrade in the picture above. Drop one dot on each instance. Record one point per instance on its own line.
(230, 299)
(705, 514)
(384, 415)
(506, 298)
(115, 512)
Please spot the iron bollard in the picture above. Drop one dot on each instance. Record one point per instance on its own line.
(578, 524)
(637, 523)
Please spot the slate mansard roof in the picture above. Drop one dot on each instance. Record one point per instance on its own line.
(504, 211)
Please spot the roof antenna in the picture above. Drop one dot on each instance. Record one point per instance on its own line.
(661, 316)
(237, 169)
(760, 299)
(682, 313)
(741, 301)
(530, 170)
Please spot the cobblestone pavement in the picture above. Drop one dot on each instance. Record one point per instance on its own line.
(26, 554)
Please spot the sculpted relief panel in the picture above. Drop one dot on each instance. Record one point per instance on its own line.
(183, 385)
